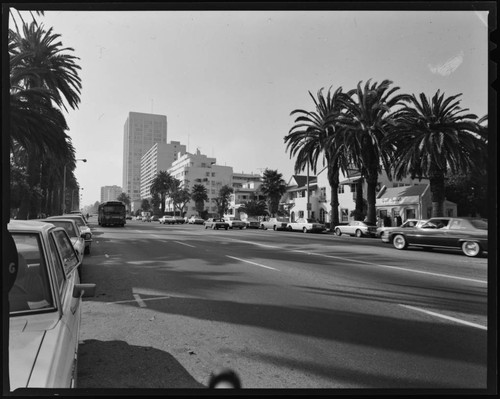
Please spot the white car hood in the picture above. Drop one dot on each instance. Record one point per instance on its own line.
(25, 339)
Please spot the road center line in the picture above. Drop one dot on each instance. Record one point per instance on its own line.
(183, 243)
(142, 300)
(252, 263)
(446, 317)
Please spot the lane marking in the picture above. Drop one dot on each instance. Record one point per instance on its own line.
(139, 300)
(481, 327)
(255, 243)
(372, 264)
(183, 243)
(135, 300)
(252, 263)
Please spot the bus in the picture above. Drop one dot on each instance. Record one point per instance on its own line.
(111, 213)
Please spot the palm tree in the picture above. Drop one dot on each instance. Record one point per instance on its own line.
(222, 200)
(311, 137)
(434, 137)
(366, 122)
(40, 75)
(199, 195)
(161, 185)
(273, 187)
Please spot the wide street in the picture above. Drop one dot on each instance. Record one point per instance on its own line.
(284, 310)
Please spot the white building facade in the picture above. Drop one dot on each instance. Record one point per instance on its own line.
(159, 157)
(110, 193)
(140, 132)
(191, 169)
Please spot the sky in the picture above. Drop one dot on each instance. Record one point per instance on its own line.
(228, 80)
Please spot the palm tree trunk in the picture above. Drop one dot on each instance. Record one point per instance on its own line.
(371, 193)
(437, 187)
(358, 212)
(333, 179)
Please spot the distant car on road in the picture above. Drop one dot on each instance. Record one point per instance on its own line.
(234, 223)
(468, 234)
(167, 219)
(195, 220)
(216, 224)
(279, 223)
(357, 228)
(306, 226)
(383, 232)
(252, 223)
(45, 305)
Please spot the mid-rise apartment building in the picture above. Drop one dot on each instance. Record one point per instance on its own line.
(159, 157)
(110, 193)
(191, 169)
(140, 133)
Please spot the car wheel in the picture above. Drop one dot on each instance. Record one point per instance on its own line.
(338, 232)
(226, 228)
(290, 228)
(471, 248)
(359, 233)
(263, 227)
(304, 230)
(274, 228)
(399, 242)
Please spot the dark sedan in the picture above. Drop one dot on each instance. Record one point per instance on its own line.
(469, 235)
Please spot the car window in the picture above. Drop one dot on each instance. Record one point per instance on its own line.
(58, 267)
(68, 226)
(31, 290)
(66, 250)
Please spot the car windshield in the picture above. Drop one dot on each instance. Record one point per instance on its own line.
(31, 290)
(68, 226)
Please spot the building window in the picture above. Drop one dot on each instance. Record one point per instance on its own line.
(301, 214)
(344, 215)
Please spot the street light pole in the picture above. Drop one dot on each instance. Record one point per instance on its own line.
(64, 185)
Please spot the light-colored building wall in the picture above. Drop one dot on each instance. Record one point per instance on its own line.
(159, 157)
(140, 132)
(246, 188)
(110, 193)
(191, 169)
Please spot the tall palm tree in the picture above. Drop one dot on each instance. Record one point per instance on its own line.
(434, 137)
(311, 138)
(199, 195)
(41, 75)
(161, 185)
(367, 121)
(273, 187)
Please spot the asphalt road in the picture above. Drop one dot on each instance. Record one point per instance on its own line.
(284, 310)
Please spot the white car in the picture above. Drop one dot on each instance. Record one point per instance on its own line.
(306, 226)
(234, 223)
(44, 307)
(195, 220)
(357, 228)
(383, 232)
(279, 223)
(82, 224)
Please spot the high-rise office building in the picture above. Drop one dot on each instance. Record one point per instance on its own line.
(140, 132)
(110, 193)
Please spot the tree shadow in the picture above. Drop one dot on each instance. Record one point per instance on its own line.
(116, 364)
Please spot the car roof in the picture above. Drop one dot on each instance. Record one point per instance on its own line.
(29, 225)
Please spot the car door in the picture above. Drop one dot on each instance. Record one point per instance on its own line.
(66, 263)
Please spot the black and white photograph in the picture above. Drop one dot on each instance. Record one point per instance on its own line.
(272, 198)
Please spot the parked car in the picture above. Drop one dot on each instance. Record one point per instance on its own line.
(357, 228)
(252, 223)
(75, 234)
(306, 226)
(155, 218)
(146, 219)
(279, 223)
(195, 220)
(468, 234)
(234, 223)
(82, 224)
(139, 217)
(179, 220)
(167, 219)
(216, 224)
(44, 307)
(383, 232)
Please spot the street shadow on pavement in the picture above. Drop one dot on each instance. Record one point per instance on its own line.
(116, 364)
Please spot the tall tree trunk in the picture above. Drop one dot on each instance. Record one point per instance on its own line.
(437, 187)
(333, 179)
(371, 194)
(358, 211)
